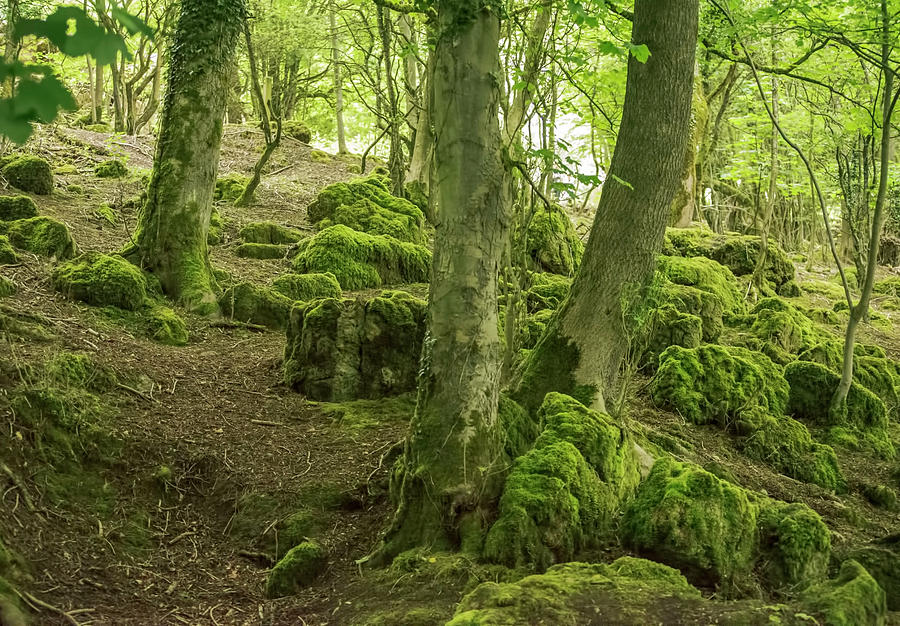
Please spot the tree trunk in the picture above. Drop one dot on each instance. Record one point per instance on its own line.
(583, 346)
(338, 88)
(395, 155)
(11, 48)
(450, 476)
(99, 104)
(170, 239)
(759, 275)
(684, 204)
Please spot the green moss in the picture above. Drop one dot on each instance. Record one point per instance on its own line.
(366, 216)
(167, 327)
(783, 330)
(419, 616)
(216, 228)
(69, 370)
(107, 214)
(29, 173)
(359, 260)
(296, 129)
(251, 303)
(17, 208)
(7, 287)
(307, 287)
(552, 243)
(299, 567)
(101, 280)
(882, 561)
(688, 518)
(8, 256)
(706, 275)
(318, 156)
(713, 383)
(693, 301)
(111, 168)
(562, 496)
(670, 327)
(373, 188)
(358, 415)
(790, 289)
(881, 496)
(230, 187)
(795, 544)
(41, 235)
(853, 598)
(520, 429)
(546, 291)
(261, 251)
(888, 286)
(533, 329)
(269, 232)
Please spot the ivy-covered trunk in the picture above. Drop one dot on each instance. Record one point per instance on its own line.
(449, 476)
(170, 239)
(583, 346)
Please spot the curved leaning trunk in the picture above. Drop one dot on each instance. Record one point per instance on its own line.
(582, 348)
(449, 477)
(170, 238)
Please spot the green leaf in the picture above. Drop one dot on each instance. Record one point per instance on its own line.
(624, 183)
(640, 51)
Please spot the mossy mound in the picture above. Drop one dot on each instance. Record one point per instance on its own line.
(562, 496)
(7, 286)
(269, 232)
(307, 287)
(40, 235)
(261, 251)
(552, 243)
(712, 383)
(254, 304)
(693, 301)
(366, 205)
(881, 496)
(795, 544)
(166, 326)
(111, 168)
(783, 331)
(68, 370)
(299, 567)
(529, 333)
(739, 253)
(546, 291)
(107, 214)
(296, 129)
(341, 350)
(8, 256)
(706, 275)
(29, 173)
(671, 327)
(230, 187)
(359, 260)
(17, 208)
(853, 598)
(881, 559)
(216, 228)
(888, 286)
(102, 280)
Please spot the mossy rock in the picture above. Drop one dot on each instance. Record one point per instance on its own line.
(671, 327)
(254, 304)
(693, 301)
(795, 544)
(706, 275)
(111, 168)
(107, 214)
(40, 235)
(359, 260)
(261, 251)
(230, 187)
(341, 350)
(546, 291)
(269, 233)
(888, 286)
(8, 255)
(853, 598)
(882, 496)
(102, 280)
(296, 130)
(166, 326)
(366, 216)
(216, 228)
(319, 156)
(718, 384)
(68, 370)
(7, 287)
(881, 559)
(790, 289)
(17, 208)
(551, 242)
(29, 173)
(299, 567)
(783, 330)
(563, 495)
(307, 287)
(532, 330)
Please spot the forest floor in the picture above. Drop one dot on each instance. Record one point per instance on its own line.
(122, 542)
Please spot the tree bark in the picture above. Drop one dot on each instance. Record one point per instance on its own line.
(338, 88)
(170, 238)
(450, 479)
(582, 349)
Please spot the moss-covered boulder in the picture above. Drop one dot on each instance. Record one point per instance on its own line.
(307, 287)
(111, 168)
(551, 242)
(706, 275)
(359, 260)
(16, 208)
(29, 173)
(8, 255)
(261, 251)
(269, 232)
(739, 253)
(881, 559)
(795, 544)
(102, 280)
(166, 326)
(341, 350)
(712, 383)
(230, 187)
(366, 216)
(546, 291)
(255, 304)
(297, 569)
(782, 329)
(296, 129)
(7, 287)
(693, 301)
(854, 597)
(40, 235)
(563, 495)
(671, 327)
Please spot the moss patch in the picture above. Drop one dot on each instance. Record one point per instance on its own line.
(111, 168)
(706, 275)
(17, 208)
(299, 567)
(29, 173)
(102, 280)
(854, 597)
(166, 326)
(552, 243)
(374, 188)
(41, 235)
(261, 251)
(230, 187)
(882, 561)
(251, 303)
(307, 287)
(7, 254)
(269, 232)
(366, 216)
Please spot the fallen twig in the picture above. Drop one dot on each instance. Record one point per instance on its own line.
(27, 597)
(137, 393)
(266, 423)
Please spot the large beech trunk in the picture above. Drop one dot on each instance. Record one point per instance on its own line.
(170, 239)
(583, 347)
(449, 474)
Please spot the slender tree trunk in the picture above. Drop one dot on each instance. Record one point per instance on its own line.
(119, 116)
(582, 349)
(395, 155)
(421, 160)
(861, 309)
(338, 88)
(99, 104)
(170, 239)
(152, 102)
(450, 475)
(759, 272)
(11, 49)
